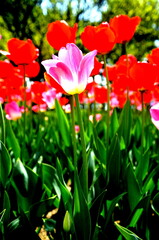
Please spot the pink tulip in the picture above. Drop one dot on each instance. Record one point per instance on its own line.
(49, 98)
(70, 68)
(154, 112)
(13, 111)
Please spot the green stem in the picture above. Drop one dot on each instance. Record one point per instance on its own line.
(84, 155)
(73, 132)
(2, 121)
(24, 114)
(108, 102)
(143, 123)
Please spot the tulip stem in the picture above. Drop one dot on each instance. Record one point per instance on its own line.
(24, 126)
(73, 132)
(143, 123)
(2, 121)
(108, 102)
(84, 155)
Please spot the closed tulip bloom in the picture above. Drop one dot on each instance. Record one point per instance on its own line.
(101, 37)
(154, 112)
(70, 68)
(124, 27)
(22, 52)
(60, 33)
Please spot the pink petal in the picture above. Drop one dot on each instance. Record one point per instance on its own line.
(49, 63)
(71, 56)
(86, 67)
(154, 111)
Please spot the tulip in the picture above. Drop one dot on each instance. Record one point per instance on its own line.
(153, 57)
(101, 37)
(70, 68)
(49, 98)
(22, 52)
(13, 111)
(60, 33)
(124, 27)
(154, 112)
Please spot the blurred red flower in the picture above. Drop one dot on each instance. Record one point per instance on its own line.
(22, 52)
(31, 70)
(59, 33)
(97, 66)
(37, 88)
(153, 57)
(100, 94)
(124, 27)
(101, 37)
(144, 75)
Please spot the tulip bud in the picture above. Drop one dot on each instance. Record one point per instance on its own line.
(67, 222)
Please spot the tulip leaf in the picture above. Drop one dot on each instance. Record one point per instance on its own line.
(12, 140)
(134, 193)
(114, 123)
(2, 125)
(5, 164)
(155, 203)
(63, 124)
(125, 120)
(114, 161)
(81, 213)
(127, 234)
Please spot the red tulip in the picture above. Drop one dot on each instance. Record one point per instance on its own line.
(22, 52)
(97, 67)
(144, 75)
(100, 94)
(31, 70)
(124, 27)
(101, 38)
(60, 33)
(153, 57)
(37, 88)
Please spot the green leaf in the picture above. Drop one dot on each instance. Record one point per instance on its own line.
(114, 162)
(143, 167)
(5, 164)
(81, 213)
(99, 148)
(125, 123)
(2, 125)
(155, 203)
(20, 178)
(127, 234)
(12, 140)
(149, 184)
(65, 193)
(7, 207)
(63, 124)
(114, 123)
(112, 206)
(49, 179)
(39, 209)
(134, 194)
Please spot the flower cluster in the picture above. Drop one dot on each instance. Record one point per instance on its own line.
(68, 72)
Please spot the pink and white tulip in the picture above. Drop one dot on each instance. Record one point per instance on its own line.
(13, 111)
(154, 112)
(70, 68)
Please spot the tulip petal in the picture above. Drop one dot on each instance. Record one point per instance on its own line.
(86, 67)
(71, 56)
